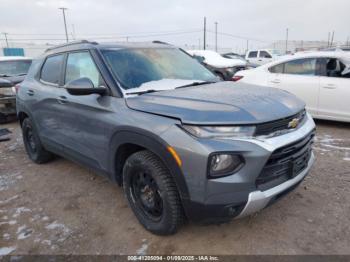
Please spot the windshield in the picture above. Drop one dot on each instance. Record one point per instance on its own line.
(14, 68)
(275, 52)
(136, 67)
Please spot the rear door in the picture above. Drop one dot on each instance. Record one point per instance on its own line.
(252, 57)
(300, 78)
(334, 91)
(44, 95)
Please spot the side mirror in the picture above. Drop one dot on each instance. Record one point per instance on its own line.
(5, 83)
(83, 86)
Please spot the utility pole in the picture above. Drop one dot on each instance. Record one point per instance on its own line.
(64, 19)
(329, 38)
(287, 32)
(205, 33)
(7, 42)
(247, 46)
(331, 43)
(347, 41)
(216, 36)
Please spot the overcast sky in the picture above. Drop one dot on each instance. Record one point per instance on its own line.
(264, 20)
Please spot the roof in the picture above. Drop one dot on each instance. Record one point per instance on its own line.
(14, 58)
(84, 44)
(309, 54)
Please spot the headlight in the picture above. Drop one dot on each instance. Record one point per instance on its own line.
(220, 131)
(224, 164)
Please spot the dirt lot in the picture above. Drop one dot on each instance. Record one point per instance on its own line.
(63, 208)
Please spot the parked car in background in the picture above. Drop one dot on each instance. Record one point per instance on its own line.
(321, 79)
(233, 56)
(223, 67)
(13, 70)
(181, 143)
(261, 56)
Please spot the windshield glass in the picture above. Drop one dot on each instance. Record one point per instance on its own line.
(13, 68)
(275, 52)
(136, 67)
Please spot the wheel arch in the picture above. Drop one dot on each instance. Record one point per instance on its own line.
(127, 141)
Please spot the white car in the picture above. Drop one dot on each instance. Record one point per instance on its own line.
(225, 68)
(321, 79)
(261, 56)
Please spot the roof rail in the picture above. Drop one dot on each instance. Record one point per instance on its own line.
(160, 42)
(71, 43)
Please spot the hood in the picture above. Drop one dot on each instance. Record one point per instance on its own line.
(222, 103)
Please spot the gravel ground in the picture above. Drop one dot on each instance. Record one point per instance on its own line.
(63, 208)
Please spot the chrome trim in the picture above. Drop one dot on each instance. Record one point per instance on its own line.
(273, 143)
(257, 200)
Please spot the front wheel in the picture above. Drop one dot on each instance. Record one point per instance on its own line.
(152, 193)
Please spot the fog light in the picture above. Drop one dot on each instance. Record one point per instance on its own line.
(224, 164)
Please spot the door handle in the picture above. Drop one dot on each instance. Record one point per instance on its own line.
(62, 100)
(330, 86)
(276, 81)
(30, 92)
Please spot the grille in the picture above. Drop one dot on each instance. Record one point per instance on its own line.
(278, 125)
(286, 163)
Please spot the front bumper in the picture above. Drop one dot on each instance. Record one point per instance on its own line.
(7, 105)
(258, 200)
(236, 195)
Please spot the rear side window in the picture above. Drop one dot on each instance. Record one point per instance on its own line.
(305, 66)
(51, 71)
(253, 54)
(277, 69)
(81, 65)
(264, 54)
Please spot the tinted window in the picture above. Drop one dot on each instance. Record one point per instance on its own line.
(13, 68)
(264, 54)
(306, 66)
(253, 54)
(81, 65)
(278, 69)
(51, 70)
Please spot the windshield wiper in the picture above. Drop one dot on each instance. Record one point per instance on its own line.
(22, 74)
(4, 75)
(197, 84)
(143, 92)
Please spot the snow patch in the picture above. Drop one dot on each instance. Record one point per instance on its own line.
(8, 200)
(142, 250)
(6, 250)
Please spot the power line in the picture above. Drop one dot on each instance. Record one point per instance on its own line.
(239, 37)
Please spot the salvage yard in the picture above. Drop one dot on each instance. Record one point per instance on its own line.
(63, 208)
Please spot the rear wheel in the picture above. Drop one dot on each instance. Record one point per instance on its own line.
(35, 150)
(152, 193)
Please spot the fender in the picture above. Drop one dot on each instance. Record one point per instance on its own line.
(142, 138)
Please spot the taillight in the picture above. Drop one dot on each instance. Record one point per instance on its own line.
(236, 78)
(16, 88)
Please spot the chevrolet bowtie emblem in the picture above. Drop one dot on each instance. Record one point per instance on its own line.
(294, 123)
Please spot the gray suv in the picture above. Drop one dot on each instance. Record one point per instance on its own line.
(183, 144)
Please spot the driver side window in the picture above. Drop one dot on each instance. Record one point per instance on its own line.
(80, 64)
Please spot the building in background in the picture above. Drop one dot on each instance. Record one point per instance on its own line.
(23, 49)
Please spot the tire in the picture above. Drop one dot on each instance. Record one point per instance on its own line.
(158, 207)
(35, 150)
